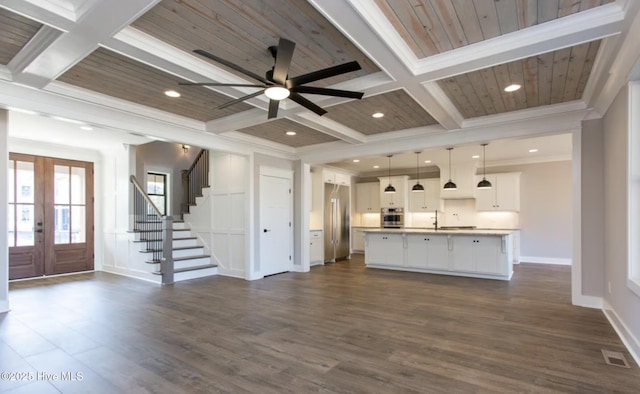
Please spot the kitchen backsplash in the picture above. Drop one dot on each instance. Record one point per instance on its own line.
(456, 213)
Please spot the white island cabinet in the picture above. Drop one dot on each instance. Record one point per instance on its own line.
(475, 253)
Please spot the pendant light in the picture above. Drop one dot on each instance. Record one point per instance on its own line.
(484, 183)
(417, 188)
(450, 185)
(390, 188)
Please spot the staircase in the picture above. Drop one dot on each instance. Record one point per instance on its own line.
(189, 258)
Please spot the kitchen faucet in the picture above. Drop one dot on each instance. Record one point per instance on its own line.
(436, 222)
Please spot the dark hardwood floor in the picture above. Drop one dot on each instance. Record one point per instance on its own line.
(341, 328)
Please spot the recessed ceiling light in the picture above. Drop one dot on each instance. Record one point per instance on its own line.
(378, 115)
(87, 128)
(512, 87)
(533, 150)
(356, 160)
(290, 133)
(427, 161)
(475, 156)
(172, 93)
(376, 166)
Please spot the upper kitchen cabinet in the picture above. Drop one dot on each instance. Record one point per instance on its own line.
(427, 201)
(336, 178)
(368, 197)
(504, 194)
(463, 176)
(399, 198)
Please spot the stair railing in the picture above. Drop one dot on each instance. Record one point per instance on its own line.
(195, 179)
(155, 229)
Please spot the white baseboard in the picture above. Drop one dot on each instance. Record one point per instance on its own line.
(545, 260)
(587, 301)
(233, 273)
(4, 306)
(626, 336)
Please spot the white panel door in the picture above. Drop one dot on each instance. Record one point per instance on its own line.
(276, 235)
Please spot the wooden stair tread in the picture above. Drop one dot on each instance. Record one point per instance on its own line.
(198, 267)
(194, 257)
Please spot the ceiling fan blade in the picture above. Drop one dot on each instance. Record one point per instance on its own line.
(328, 92)
(231, 65)
(306, 103)
(273, 109)
(283, 60)
(322, 74)
(240, 99)
(221, 84)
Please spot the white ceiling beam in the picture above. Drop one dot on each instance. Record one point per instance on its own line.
(346, 17)
(59, 20)
(329, 127)
(103, 20)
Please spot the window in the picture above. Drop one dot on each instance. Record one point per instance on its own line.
(157, 191)
(633, 217)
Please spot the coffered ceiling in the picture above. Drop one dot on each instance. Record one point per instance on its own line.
(436, 69)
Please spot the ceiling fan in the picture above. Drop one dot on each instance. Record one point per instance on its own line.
(277, 85)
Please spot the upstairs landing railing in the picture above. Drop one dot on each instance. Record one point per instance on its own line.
(195, 179)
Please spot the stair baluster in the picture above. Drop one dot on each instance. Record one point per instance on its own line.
(195, 179)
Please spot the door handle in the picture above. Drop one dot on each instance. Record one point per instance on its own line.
(39, 223)
(265, 230)
(39, 230)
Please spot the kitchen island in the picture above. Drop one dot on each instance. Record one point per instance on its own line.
(474, 253)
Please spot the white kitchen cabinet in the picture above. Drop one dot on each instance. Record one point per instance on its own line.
(463, 176)
(428, 251)
(384, 249)
(481, 254)
(368, 197)
(316, 247)
(336, 178)
(399, 198)
(357, 239)
(427, 201)
(504, 194)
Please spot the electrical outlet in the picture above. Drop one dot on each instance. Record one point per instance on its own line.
(609, 286)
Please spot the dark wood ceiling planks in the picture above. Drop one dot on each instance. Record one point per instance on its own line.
(400, 112)
(240, 31)
(550, 78)
(115, 75)
(275, 131)
(432, 27)
(15, 31)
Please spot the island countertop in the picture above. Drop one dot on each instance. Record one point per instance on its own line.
(434, 231)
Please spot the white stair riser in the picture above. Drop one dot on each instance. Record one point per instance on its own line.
(191, 263)
(158, 235)
(188, 252)
(181, 234)
(186, 275)
(181, 243)
(179, 225)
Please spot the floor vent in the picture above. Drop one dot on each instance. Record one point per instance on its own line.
(615, 358)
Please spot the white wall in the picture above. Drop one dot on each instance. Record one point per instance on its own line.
(4, 246)
(622, 306)
(220, 217)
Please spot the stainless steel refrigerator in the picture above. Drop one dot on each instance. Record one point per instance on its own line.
(336, 223)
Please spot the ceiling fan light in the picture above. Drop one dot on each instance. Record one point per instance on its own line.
(484, 184)
(417, 188)
(276, 92)
(390, 189)
(450, 185)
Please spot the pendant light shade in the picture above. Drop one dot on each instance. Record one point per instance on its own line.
(417, 188)
(450, 185)
(484, 183)
(390, 188)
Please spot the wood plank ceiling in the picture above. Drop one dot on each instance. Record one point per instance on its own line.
(276, 131)
(115, 75)
(15, 32)
(432, 27)
(549, 78)
(399, 109)
(240, 31)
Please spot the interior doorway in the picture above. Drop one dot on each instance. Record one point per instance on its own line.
(50, 216)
